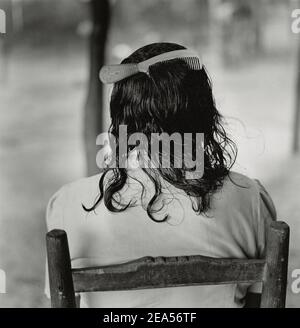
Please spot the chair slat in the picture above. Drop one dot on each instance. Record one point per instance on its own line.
(277, 254)
(60, 274)
(160, 272)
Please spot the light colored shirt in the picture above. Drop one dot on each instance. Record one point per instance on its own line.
(234, 227)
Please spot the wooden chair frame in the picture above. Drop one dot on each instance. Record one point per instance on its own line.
(160, 272)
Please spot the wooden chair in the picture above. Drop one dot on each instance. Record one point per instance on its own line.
(159, 272)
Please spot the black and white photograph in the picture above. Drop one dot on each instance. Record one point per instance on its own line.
(149, 156)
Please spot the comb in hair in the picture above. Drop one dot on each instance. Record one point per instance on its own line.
(115, 73)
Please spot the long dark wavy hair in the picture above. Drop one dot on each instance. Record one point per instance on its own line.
(172, 98)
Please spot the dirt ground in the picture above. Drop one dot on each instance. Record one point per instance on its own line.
(41, 148)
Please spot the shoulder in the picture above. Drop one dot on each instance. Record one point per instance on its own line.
(241, 186)
(69, 199)
(245, 209)
(247, 195)
(82, 188)
(244, 185)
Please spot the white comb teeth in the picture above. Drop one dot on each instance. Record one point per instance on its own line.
(193, 63)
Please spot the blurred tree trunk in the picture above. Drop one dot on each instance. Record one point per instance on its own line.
(93, 111)
(6, 41)
(203, 34)
(258, 8)
(296, 130)
(242, 29)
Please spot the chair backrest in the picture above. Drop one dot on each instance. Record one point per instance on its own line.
(160, 272)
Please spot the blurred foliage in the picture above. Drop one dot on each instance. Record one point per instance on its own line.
(52, 15)
(42, 18)
(134, 21)
(40, 21)
(154, 20)
(163, 12)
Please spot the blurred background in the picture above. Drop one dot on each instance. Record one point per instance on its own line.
(52, 106)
